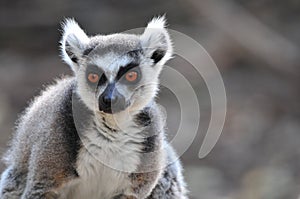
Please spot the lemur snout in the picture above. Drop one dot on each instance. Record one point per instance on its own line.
(111, 101)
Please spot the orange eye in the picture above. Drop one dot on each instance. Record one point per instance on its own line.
(131, 76)
(92, 77)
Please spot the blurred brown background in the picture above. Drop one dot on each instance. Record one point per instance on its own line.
(255, 45)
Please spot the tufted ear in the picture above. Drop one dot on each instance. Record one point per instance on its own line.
(73, 43)
(156, 42)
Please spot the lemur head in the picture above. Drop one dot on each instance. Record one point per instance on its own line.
(116, 72)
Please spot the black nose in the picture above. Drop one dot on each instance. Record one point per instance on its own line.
(111, 101)
(109, 97)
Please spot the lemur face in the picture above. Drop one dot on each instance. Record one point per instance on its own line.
(116, 72)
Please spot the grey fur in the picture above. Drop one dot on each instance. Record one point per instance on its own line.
(66, 148)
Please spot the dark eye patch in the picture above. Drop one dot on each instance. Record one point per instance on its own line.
(95, 69)
(125, 69)
(102, 80)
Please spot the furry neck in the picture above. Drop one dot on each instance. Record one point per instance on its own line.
(121, 121)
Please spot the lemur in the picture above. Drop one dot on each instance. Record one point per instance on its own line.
(98, 134)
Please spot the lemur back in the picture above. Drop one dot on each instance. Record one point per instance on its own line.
(99, 133)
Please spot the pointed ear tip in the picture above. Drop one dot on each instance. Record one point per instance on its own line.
(71, 27)
(68, 22)
(158, 22)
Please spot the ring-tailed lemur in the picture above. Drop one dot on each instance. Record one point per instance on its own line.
(98, 134)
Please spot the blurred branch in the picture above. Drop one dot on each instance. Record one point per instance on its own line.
(273, 48)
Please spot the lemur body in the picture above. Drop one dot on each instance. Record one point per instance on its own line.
(98, 134)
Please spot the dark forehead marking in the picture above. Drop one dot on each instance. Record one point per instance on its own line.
(135, 53)
(118, 44)
(120, 49)
(88, 50)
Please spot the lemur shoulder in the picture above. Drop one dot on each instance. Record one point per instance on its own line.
(99, 133)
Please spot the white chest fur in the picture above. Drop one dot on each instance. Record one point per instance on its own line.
(104, 165)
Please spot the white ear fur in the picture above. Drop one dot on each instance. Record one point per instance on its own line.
(156, 41)
(73, 42)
